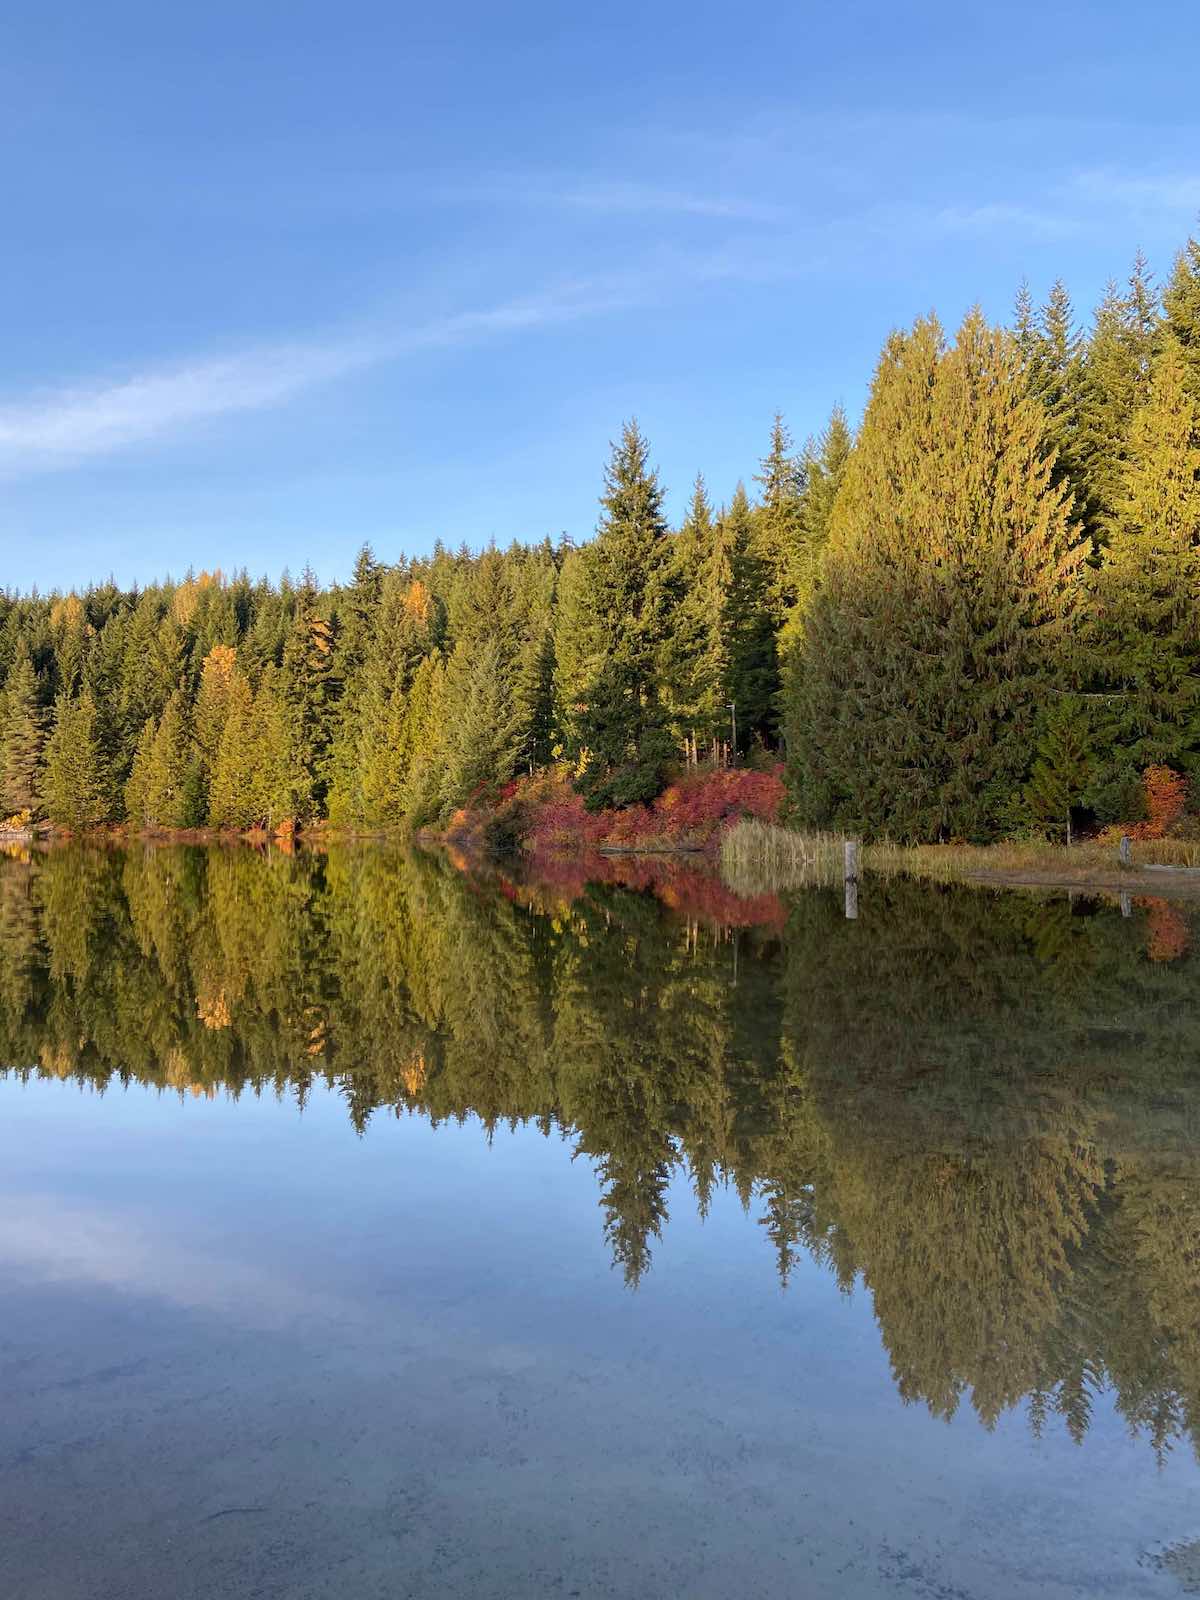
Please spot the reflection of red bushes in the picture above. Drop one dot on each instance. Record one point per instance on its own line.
(1167, 935)
(691, 891)
(563, 842)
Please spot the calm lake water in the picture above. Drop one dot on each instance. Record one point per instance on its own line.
(373, 1229)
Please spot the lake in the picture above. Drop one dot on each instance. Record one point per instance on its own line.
(373, 1226)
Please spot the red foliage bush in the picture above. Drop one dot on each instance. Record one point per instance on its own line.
(695, 811)
(1166, 793)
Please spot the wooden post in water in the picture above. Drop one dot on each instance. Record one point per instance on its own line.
(1126, 903)
(1126, 851)
(851, 879)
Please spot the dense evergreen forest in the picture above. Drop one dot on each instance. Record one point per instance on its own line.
(934, 1102)
(971, 616)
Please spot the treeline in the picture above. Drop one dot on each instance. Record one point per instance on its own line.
(933, 1103)
(977, 615)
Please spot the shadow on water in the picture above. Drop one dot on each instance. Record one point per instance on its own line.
(981, 1107)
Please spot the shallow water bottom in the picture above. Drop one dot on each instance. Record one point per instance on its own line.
(247, 1353)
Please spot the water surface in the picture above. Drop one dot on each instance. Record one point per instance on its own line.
(371, 1228)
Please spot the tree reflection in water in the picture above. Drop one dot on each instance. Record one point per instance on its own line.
(979, 1106)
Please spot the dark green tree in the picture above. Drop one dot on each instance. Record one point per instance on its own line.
(627, 596)
(22, 737)
(78, 786)
(946, 601)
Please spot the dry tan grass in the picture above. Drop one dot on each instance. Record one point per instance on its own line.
(757, 857)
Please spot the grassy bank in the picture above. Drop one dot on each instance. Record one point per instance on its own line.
(761, 857)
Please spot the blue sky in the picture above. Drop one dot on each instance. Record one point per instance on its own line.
(278, 279)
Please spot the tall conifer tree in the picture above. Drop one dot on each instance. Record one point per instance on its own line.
(627, 589)
(22, 736)
(946, 600)
(1147, 621)
(78, 789)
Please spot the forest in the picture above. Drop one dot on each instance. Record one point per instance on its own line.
(936, 1104)
(973, 615)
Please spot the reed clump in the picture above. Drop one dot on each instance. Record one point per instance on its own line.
(761, 857)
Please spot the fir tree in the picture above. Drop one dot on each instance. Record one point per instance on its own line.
(1181, 309)
(221, 684)
(946, 599)
(1052, 351)
(1114, 384)
(22, 735)
(752, 678)
(1063, 767)
(309, 692)
(165, 787)
(698, 650)
(78, 789)
(627, 593)
(1147, 626)
(483, 730)
(781, 476)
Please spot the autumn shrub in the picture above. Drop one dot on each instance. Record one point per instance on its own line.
(1164, 798)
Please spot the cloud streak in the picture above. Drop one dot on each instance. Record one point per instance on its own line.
(85, 421)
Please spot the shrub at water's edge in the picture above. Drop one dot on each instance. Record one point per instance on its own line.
(546, 815)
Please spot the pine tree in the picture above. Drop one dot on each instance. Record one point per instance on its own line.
(1114, 384)
(309, 692)
(1052, 352)
(1147, 625)
(1181, 309)
(483, 730)
(751, 686)
(698, 645)
(626, 591)
(1063, 766)
(221, 684)
(254, 779)
(78, 790)
(22, 735)
(165, 787)
(781, 476)
(946, 599)
(409, 624)
(826, 460)
(423, 734)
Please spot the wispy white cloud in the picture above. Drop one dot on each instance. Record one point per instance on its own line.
(647, 199)
(82, 421)
(94, 419)
(1003, 215)
(1170, 192)
(614, 198)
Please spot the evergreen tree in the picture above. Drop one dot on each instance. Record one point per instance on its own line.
(254, 779)
(165, 787)
(309, 690)
(1114, 384)
(221, 684)
(1147, 625)
(1052, 351)
(1063, 766)
(627, 590)
(78, 790)
(946, 600)
(1181, 308)
(423, 734)
(22, 735)
(751, 686)
(483, 728)
(781, 476)
(698, 646)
